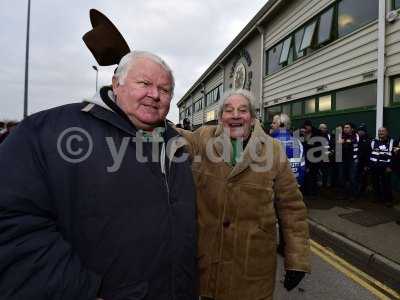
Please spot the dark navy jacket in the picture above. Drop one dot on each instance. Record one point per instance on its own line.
(78, 231)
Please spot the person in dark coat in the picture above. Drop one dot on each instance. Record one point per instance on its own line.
(381, 166)
(93, 200)
(364, 153)
(312, 142)
(328, 155)
(348, 167)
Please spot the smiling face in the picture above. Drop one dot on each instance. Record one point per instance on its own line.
(236, 117)
(146, 93)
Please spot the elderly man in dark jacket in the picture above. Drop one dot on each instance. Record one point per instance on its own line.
(93, 204)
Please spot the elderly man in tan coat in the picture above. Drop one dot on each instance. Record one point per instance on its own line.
(239, 172)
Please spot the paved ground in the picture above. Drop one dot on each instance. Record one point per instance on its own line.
(382, 238)
(325, 282)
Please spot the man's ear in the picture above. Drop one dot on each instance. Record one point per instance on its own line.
(115, 84)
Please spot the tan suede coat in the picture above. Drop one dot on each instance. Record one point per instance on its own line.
(236, 215)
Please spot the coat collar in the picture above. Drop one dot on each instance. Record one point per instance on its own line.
(254, 147)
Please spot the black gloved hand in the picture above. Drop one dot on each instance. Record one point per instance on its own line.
(292, 279)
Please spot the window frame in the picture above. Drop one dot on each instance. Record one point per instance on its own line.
(314, 22)
(392, 102)
(200, 100)
(355, 28)
(333, 20)
(394, 5)
(287, 42)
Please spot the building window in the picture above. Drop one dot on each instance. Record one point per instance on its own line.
(213, 95)
(210, 116)
(182, 115)
(309, 106)
(298, 36)
(297, 109)
(396, 4)
(362, 96)
(220, 91)
(396, 90)
(325, 26)
(198, 105)
(188, 111)
(325, 103)
(354, 14)
(308, 35)
(285, 50)
(274, 55)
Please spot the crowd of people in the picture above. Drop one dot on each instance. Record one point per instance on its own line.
(347, 158)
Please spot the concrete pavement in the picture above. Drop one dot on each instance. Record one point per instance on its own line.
(362, 232)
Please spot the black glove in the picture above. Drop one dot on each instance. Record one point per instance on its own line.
(292, 279)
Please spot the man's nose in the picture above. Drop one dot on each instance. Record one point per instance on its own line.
(153, 92)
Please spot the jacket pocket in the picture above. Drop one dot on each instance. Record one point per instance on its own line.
(260, 259)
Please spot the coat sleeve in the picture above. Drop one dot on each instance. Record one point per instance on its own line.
(293, 215)
(35, 260)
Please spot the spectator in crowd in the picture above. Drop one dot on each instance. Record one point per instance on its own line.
(382, 150)
(78, 226)
(292, 145)
(239, 172)
(313, 159)
(10, 126)
(295, 154)
(2, 127)
(186, 124)
(396, 158)
(348, 167)
(328, 156)
(364, 153)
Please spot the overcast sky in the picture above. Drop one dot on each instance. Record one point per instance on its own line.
(188, 34)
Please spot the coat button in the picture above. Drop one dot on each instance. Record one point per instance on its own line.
(226, 223)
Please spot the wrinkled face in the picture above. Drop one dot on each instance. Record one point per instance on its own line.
(347, 129)
(275, 123)
(146, 93)
(236, 117)
(383, 133)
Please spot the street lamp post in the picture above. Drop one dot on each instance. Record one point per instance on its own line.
(27, 61)
(97, 75)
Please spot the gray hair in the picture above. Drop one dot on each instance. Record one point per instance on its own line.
(284, 120)
(129, 59)
(239, 92)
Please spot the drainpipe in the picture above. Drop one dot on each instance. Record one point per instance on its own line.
(380, 101)
(261, 107)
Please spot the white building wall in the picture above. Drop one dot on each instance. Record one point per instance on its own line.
(393, 48)
(210, 84)
(198, 116)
